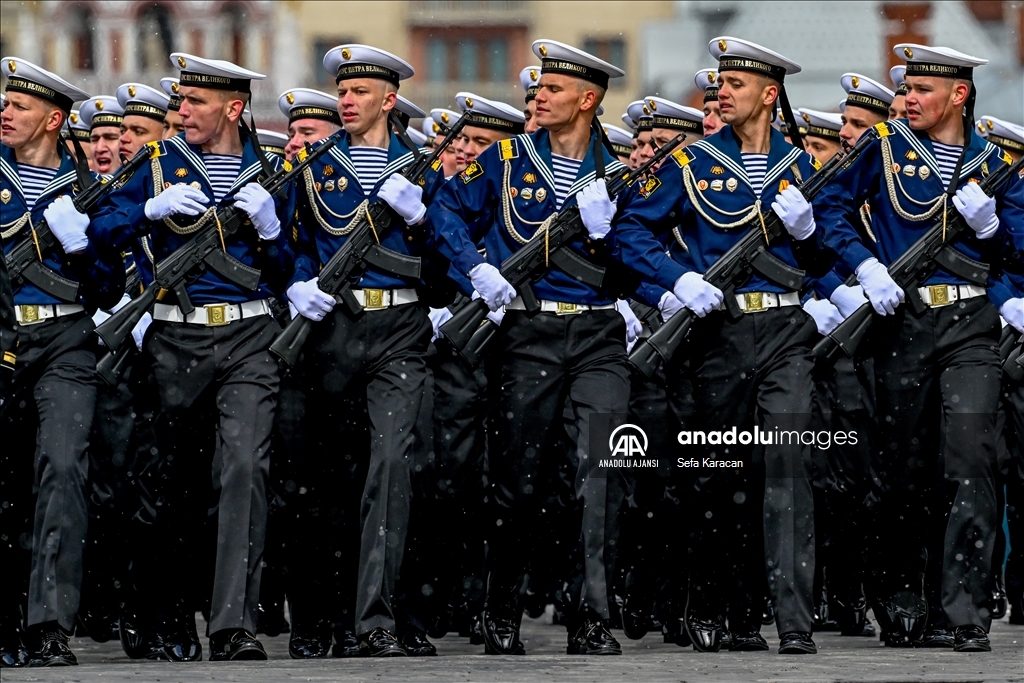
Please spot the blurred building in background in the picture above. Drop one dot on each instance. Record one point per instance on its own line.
(481, 45)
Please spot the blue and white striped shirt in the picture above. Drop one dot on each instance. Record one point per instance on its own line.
(34, 180)
(756, 166)
(370, 163)
(566, 170)
(946, 156)
(223, 172)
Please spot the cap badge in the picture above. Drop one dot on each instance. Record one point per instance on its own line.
(434, 127)
(181, 62)
(290, 98)
(924, 172)
(346, 53)
(533, 74)
(529, 178)
(181, 172)
(328, 170)
(469, 102)
(444, 117)
(981, 127)
(988, 124)
(5, 195)
(911, 154)
(908, 53)
(806, 118)
(646, 110)
(342, 183)
(653, 105)
(702, 184)
(74, 118)
(175, 88)
(131, 91)
(855, 82)
(99, 105)
(543, 50)
(711, 77)
(329, 185)
(11, 66)
(527, 193)
(541, 194)
(722, 45)
(731, 184)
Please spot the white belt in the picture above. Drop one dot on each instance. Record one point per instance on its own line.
(212, 315)
(559, 307)
(754, 302)
(31, 314)
(944, 295)
(378, 299)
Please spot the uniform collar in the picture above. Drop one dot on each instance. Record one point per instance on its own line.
(977, 153)
(64, 177)
(537, 146)
(724, 147)
(399, 156)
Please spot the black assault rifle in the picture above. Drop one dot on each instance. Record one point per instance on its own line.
(361, 250)
(204, 250)
(1011, 353)
(25, 260)
(468, 332)
(734, 268)
(912, 269)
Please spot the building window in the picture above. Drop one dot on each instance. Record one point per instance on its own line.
(321, 46)
(437, 59)
(463, 56)
(232, 45)
(80, 20)
(156, 38)
(611, 49)
(468, 60)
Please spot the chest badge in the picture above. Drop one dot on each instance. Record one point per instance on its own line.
(527, 193)
(181, 172)
(513, 192)
(5, 195)
(895, 168)
(717, 170)
(318, 185)
(783, 184)
(541, 194)
(716, 184)
(984, 168)
(329, 186)
(702, 184)
(529, 178)
(195, 184)
(909, 170)
(924, 172)
(731, 184)
(911, 155)
(328, 170)
(342, 184)
(652, 184)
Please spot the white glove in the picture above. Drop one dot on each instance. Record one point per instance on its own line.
(826, 315)
(67, 224)
(494, 289)
(848, 299)
(139, 331)
(497, 316)
(309, 300)
(696, 294)
(257, 202)
(978, 209)
(1013, 313)
(596, 209)
(795, 211)
(881, 290)
(633, 325)
(404, 197)
(438, 317)
(669, 305)
(181, 199)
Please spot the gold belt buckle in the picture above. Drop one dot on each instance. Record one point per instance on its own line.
(567, 309)
(939, 295)
(754, 302)
(29, 314)
(216, 315)
(373, 299)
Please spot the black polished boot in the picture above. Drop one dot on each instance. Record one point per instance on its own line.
(907, 615)
(502, 616)
(971, 639)
(345, 643)
(749, 641)
(593, 638)
(705, 631)
(674, 631)
(416, 644)
(13, 652)
(183, 644)
(53, 647)
(310, 643)
(380, 643)
(235, 644)
(997, 605)
(797, 643)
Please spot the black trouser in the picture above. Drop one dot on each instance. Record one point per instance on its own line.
(379, 358)
(217, 390)
(937, 381)
(1011, 465)
(46, 428)
(545, 359)
(755, 371)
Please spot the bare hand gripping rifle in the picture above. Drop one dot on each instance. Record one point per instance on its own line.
(468, 332)
(912, 269)
(205, 250)
(361, 250)
(734, 268)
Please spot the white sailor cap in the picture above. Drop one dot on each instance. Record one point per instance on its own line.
(491, 114)
(78, 127)
(430, 127)
(417, 137)
(559, 58)
(138, 99)
(306, 103)
(171, 87)
(443, 118)
(640, 114)
(271, 141)
(26, 77)
(707, 80)
(101, 110)
(736, 54)
(628, 123)
(364, 61)
(820, 124)
(1007, 135)
(621, 140)
(217, 74)
(898, 76)
(408, 110)
(528, 78)
(923, 60)
(3, 101)
(866, 93)
(668, 114)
